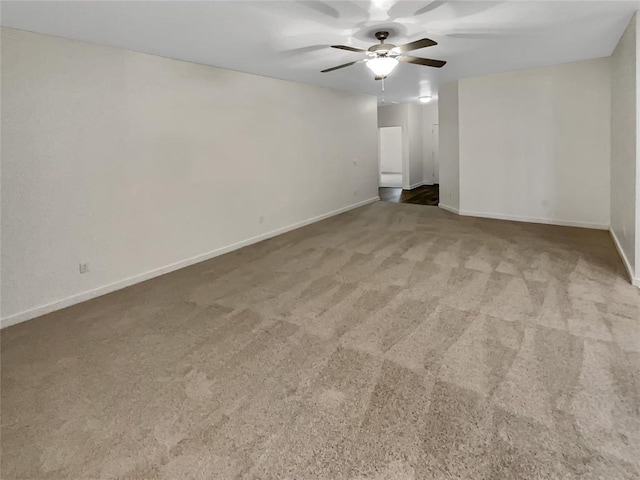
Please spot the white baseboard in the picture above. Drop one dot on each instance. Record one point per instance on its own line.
(546, 221)
(627, 265)
(420, 184)
(449, 209)
(516, 218)
(120, 284)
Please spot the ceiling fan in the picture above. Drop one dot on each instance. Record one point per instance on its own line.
(382, 58)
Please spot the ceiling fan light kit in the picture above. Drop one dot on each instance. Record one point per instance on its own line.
(382, 66)
(384, 57)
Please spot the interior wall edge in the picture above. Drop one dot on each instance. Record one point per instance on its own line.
(625, 260)
(126, 282)
(449, 208)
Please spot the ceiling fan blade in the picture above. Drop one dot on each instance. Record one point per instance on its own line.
(422, 43)
(320, 7)
(302, 50)
(340, 66)
(475, 36)
(346, 47)
(427, 8)
(491, 33)
(427, 62)
(406, 9)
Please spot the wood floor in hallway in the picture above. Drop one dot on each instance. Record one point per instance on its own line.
(424, 195)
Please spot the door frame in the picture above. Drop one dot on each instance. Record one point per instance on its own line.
(435, 173)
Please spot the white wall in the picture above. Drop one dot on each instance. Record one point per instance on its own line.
(534, 144)
(636, 273)
(390, 149)
(393, 115)
(429, 118)
(140, 164)
(624, 147)
(416, 160)
(449, 146)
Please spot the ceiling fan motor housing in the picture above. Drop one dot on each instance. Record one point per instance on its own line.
(381, 48)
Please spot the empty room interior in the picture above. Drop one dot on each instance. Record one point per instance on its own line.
(320, 240)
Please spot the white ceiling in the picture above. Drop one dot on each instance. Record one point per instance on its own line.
(290, 39)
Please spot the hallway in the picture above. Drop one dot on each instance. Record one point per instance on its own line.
(424, 195)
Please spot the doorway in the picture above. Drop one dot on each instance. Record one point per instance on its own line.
(435, 152)
(390, 162)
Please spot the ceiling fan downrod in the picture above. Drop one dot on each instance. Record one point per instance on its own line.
(382, 36)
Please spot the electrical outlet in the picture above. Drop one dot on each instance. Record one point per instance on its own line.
(355, 193)
(84, 267)
(355, 161)
(261, 219)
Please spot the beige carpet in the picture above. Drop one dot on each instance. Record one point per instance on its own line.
(393, 342)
